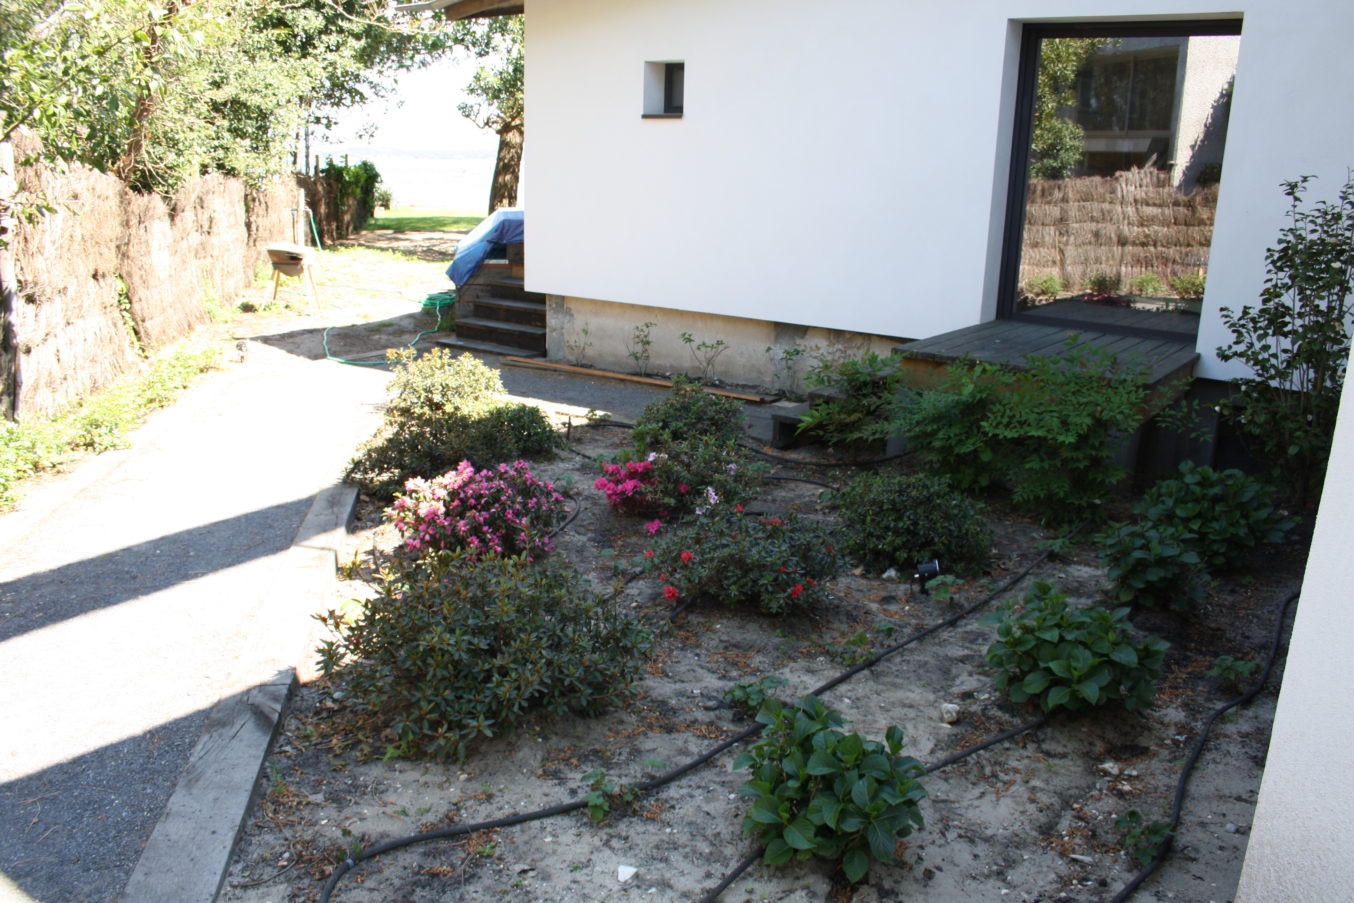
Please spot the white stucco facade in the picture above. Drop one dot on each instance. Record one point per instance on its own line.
(849, 172)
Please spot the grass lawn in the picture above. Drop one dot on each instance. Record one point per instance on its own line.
(425, 219)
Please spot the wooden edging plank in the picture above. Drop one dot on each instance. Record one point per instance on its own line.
(626, 377)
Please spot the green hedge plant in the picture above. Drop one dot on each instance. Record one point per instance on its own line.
(898, 520)
(453, 649)
(685, 413)
(442, 411)
(817, 791)
(1051, 654)
(1227, 512)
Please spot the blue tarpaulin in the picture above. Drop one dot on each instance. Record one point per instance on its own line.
(502, 227)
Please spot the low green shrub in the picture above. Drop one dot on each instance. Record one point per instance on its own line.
(767, 563)
(1155, 565)
(898, 520)
(749, 697)
(1059, 657)
(453, 649)
(1188, 285)
(685, 413)
(1045, 286)
(1104, 284)
(862, 391)
(1226, 512)
(1146, 285)
(817, 791)
(1142, 840)
(1048, 429)
(443, 411)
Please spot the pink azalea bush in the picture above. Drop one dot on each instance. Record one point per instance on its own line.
(498, 511)
(628, 486)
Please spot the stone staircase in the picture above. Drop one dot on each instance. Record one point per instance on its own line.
(495, 313)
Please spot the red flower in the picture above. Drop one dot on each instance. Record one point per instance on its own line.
(738, 509)
(796, 590)
(670, 593)
(687, 556)
(682, 487)
(648, 553)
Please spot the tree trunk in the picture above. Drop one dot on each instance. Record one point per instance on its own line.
(9, 289)
(507, 168)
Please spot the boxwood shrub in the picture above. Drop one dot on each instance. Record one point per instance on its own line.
(898, 520)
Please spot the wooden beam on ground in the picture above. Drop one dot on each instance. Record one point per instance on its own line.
(626, 377)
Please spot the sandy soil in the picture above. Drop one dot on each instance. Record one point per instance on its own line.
(1031, 819)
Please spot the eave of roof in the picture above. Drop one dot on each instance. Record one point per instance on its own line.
(465, 9)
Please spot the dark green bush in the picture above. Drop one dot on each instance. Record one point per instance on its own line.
(767, 563)
(862, 391)
(453, 649)
(1068, 658)
(819, 792)
(1048, 429)
(898, 520)
(1155, 565)
(688, 412)
(1226, 512)
(443, 411)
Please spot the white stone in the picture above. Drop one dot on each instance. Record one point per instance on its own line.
(625, 872)
(949, 713)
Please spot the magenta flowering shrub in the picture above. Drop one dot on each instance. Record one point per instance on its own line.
(689, 477)
(629, 486)
(499, 511)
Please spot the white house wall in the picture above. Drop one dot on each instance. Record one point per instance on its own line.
(845, 167)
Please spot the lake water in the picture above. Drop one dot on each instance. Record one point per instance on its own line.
(453, 180)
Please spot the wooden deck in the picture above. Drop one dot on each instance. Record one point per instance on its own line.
(1168, 323)
(1010, 341)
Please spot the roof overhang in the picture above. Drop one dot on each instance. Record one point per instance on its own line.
(465, 9)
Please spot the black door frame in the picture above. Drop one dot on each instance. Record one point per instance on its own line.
(1023, 129)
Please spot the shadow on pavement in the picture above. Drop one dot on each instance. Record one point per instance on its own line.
(39, 600)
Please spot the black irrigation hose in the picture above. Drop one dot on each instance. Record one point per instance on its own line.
(563, 808)
(578, 509)
(799, 480)
(870, 462)
(750, 860)
(1185, 773)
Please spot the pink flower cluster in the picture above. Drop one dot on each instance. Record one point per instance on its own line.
(496, 511)
(627, 485)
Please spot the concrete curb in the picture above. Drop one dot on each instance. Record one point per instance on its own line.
(186, 857)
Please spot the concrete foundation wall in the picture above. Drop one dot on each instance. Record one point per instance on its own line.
(759, 352)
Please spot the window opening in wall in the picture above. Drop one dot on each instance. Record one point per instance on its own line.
(674, 87)
(1120, 131)
(664, 89)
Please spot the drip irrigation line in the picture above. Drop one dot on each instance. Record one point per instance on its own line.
(808, 480)
(578, 509)
(654, 783)
(869, 462)
(751, 859)
(990, 742)
(1178, 804)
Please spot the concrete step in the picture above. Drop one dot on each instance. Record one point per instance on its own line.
(487, 347)
(517, 335)
(508, 310)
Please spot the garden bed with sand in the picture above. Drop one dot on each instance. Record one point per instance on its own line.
(1032, 818)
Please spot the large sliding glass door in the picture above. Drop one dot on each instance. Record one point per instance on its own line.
(1116, 168)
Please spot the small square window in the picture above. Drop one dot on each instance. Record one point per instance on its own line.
(674, 87)
(664, 89)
